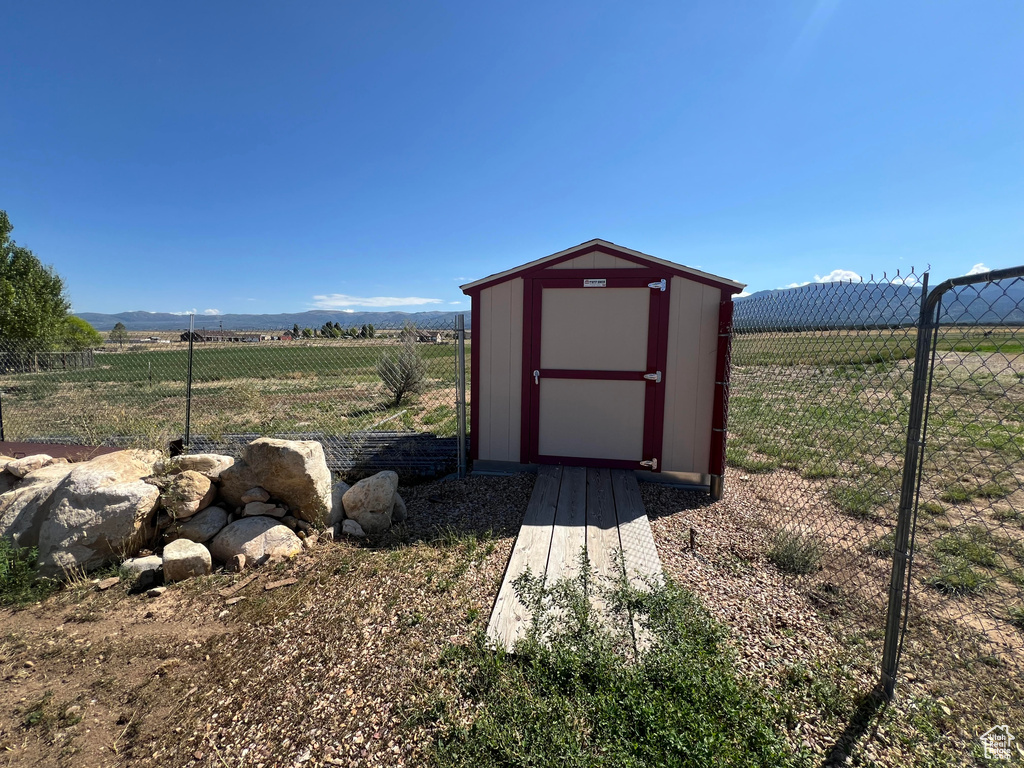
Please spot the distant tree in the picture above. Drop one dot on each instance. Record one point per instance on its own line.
(370, 332)
(403, 371)
(78, 335)
(295, 331)
(307, 333)
(353, 332)
(364, 332)
(33, 306)
(119, 334)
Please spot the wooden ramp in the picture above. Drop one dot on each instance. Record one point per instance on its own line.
(573, 509)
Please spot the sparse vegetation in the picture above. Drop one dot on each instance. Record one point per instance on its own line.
(18, 581)
(573, 696)
(402, 370)
(795, 551)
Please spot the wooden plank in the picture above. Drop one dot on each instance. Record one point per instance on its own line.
(640, 556)
(635, 537)
(509, 617)
(569, 538)
(602, 533)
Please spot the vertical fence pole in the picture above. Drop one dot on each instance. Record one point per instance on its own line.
(908, 492)
(1, 416)
(188, 385)
(460, 328)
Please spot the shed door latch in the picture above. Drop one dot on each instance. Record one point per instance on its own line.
(661, 285)
(655, 377)
(536, 377)
(653, 464)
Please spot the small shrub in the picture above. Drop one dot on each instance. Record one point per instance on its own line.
(884, 545)
(859, 501)
(956, 494)
(795, 552)
(956, 576)
(971, 543)
(403, 371)
(18, 581)
(931, 508)
(1015, 615)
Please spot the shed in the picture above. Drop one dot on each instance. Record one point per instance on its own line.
(602, 356)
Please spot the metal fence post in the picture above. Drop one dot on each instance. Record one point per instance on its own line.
(1, 416)
(896, 614)
(188, 385)
(460, 328)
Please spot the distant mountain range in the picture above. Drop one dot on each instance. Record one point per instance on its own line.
(166, 321)
(818, 305)
(872, 305)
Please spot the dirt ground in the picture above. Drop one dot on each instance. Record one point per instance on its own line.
(345, 666)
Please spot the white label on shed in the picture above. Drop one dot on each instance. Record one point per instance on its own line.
(595, 283)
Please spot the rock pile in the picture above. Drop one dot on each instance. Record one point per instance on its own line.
(188, 513)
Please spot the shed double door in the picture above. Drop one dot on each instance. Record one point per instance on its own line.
(596, 376)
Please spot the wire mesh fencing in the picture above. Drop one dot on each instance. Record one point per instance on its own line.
(818, 415)
(967, 574)
(377, 397)
(835, 410)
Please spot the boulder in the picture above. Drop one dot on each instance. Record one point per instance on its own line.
(370, 501)
(235, 482)
(4, 461)
(101, 510)
(352, 528)
(294, 471)
(184, 559)
(142, 571)
(201, 527)
(23, 509)
(258, 538)
(337, 503)
(187, 493)
(255, 508)
(8, 482)
(210, 465)
(399, 512)
(255, 494)
(21, 467)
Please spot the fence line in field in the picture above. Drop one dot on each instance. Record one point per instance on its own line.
(361, 391)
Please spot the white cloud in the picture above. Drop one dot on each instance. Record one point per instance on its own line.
(454, 302)
(793, 285)
(349, 311)
(211, 311)
(186, 312)
(838, 275)
(978, 269)
(741, 294)
(339, 300)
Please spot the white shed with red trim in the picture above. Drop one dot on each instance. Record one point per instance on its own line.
(602, 356)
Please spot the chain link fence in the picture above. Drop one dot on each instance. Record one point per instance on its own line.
(377, 397)
(822, 407)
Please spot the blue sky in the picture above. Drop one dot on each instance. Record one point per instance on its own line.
(267, 157)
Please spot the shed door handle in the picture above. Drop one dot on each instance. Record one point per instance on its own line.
(656, 376)
(536, 377)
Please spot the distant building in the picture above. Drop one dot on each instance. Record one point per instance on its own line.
(222, 336)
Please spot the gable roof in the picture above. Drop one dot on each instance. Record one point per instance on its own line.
(605, 247)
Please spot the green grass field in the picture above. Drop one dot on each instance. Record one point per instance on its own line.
(265, 388)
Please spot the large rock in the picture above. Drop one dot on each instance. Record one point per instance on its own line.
(23, 509)
(337, 503)
(142, 572)
(256, 508)
(186, 493)
(201, 527)
(255, 494)
(101, 510)
(258, 538)
(21, 467)
(8, 482)
(210, 465)
(294, 471)
(184, 559)
(235, 482)
(399, 512)
(371, 501)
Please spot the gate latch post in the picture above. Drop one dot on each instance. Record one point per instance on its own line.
(661, 285)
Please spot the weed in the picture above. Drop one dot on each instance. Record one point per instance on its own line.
(884, 545)
(572, 695)
(1015, 614)
(971, 543)
(795, 552)
(18, 581)
(956, 576)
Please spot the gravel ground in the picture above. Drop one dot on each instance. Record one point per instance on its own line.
(820, 656)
